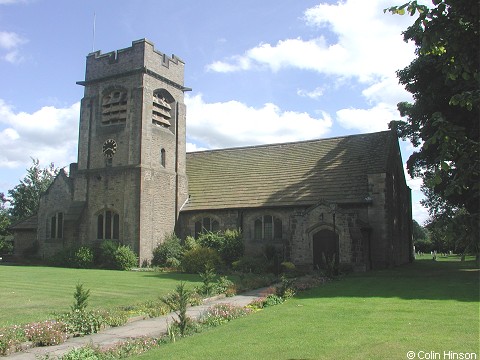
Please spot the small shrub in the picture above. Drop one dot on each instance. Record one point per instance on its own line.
(83, 353)
(81, 323)
(106, 254)
(222, 313)
(83, 258)
(190, 243)
(208, 279)
(168, 250)
(211, 240)
(178, 302)
(195, 260)
(6, 246)
(223, 285)
(232, 247)
(115, 318)
(81, 296)
(125, 258)
(250, 264)
(272, 300)
(46, 333)
(286, 289)
(11, 338)
(173, 263)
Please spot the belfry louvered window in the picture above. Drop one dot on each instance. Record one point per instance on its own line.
(114, 107)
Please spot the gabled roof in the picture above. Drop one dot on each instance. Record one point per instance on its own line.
(29, 223)
(289, 174)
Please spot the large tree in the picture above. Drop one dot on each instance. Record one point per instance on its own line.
(24, 197)
(443, 119)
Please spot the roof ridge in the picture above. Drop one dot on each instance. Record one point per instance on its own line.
(285, 143)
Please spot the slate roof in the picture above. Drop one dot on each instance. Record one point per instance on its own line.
(289, 174)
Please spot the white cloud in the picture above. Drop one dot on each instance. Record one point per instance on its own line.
(368, 44)
(9, 45)
(49, 134)
(314, 94)
(419, 212)
(233, 123)
(367, 120)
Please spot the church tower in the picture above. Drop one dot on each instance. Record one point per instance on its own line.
(131, 152)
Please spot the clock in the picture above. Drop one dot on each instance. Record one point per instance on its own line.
(109, 148)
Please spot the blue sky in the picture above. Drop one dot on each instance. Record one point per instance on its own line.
(261, 71)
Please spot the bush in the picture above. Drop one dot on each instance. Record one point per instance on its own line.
(196, 260)
(81, 323)
(251, 264)
(106, 254)
(10, 339)
(211, 240)
(167, 252)
(229, 244)
(46, 333)
(81, 296)
(83, 258)
(233, 247)
(190, 243)
(125, 258)
(178, 302)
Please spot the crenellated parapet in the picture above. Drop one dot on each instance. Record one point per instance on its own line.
(141, 57)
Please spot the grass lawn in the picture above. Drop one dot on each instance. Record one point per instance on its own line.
(33, 293)
(422, 307)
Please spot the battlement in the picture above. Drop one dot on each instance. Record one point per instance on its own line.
(141, 56)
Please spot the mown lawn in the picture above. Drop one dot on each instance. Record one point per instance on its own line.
(33, 293)
(422, 307)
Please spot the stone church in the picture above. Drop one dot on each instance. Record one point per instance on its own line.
(345, 197)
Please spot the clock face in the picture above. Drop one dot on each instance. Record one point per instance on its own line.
(109, 148)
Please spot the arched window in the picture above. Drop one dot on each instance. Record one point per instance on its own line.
(267, 228)
(206, 224)
(108, 225)
(114, 107)
(162, 157)
(56, 226)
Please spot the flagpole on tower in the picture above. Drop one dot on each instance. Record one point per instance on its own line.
(93, 39)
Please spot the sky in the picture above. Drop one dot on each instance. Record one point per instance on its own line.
(261, 71)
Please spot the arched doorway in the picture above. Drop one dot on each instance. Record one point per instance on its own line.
(325, 248)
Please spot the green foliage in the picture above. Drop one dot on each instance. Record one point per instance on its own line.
(83, 258)
(6, 243)
(80, 323)
(81, 298)
(286, 289)
(229, 244)
(222, 313)
(11, 338)
(125, 258)
(443, 121)
(251, 264)
(190, 243)
(195, 260)
(232, 247)
(208, 279)
(121, 350)
(106, 254)
(168, 253)
(178, 302)
(272, 300)
(24, 197)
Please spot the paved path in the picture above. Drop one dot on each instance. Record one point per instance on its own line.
(155, 327)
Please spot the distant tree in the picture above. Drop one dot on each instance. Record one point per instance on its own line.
(443, 120)
(5, 243)
(419, 233)
(24, 198)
